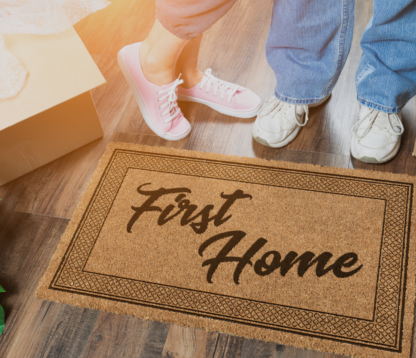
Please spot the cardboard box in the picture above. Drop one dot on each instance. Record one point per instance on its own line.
(54, 113)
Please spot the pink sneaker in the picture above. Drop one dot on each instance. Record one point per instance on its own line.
(224, 97)
(158, 105)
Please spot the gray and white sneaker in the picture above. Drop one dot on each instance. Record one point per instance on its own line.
(278, 123)
(376, 136)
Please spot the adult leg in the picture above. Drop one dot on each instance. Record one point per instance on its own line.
(307, 46)
(386, 75)
(386, 80)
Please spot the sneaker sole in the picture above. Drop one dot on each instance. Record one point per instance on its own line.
(372, 160)
(284, 143)
(221, 109)
(141, 103)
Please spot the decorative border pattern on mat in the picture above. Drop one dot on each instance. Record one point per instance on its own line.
(383, 331)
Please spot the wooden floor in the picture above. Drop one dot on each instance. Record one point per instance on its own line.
(37, 207)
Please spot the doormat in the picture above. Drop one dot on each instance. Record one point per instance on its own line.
(318, 258)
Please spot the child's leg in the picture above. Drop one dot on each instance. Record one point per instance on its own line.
(187, 63)
(159, 53)
(179, 22)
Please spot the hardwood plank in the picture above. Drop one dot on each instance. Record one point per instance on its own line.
(10, 194)
(329, 355)
(36, 328)
(293, 352)
(49, 185)
(317, 158)
(413, 350)
(117, 336)
(229, 58)
(26, 243)
(144, 139)
(155, 340)
(187, 342)
(311, 354)
(54, 330)
(253, 348)
(124, 336)
(228, 346)
(131, 120)
(280, 349)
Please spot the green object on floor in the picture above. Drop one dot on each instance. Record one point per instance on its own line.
(1, 314)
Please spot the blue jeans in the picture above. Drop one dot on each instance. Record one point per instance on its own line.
(309, 41)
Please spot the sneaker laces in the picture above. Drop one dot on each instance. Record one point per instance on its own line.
(277, 106)
(396, 128)
(172, 98)
(223, 86)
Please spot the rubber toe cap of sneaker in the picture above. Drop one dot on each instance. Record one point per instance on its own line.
(179, 127)
(247, 100)
(380, 150)
(271, 132)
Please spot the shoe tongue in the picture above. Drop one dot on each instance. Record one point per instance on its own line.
(299, 110)
(364, 112)
(382, 121)
(223, 84)
(283, 109)
(169, 85)
(395, 122)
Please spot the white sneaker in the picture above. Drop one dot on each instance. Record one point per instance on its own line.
(376, 136)
(278, 123)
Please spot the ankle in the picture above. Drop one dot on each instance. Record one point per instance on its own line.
(190, 77)
(154, 69)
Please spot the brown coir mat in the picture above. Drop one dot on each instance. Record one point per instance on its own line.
(320, 258)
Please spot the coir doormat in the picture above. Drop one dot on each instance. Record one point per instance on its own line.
(313, 257)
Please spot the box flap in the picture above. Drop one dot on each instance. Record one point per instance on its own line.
(59, 68)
